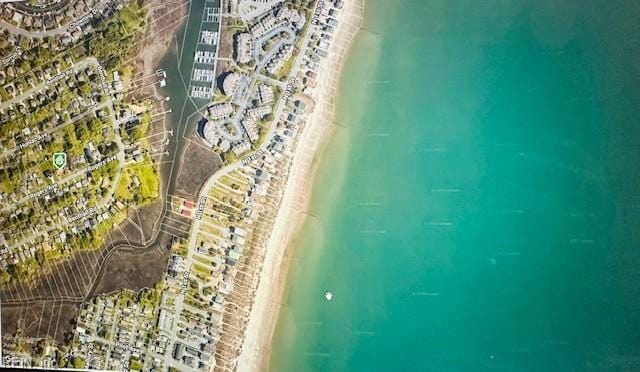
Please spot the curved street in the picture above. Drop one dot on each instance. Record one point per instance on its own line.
(61, 29)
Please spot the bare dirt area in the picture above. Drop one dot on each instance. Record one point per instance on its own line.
(138, 268)
(176, 227)
(39, 320)
(164, 19)
(225, 50)
(47, 307)
(199, 163)
(67, 280)
(148, 218)
(226, 39)
(221, 68)
(133, 270)
(115, 235)
(132, 232)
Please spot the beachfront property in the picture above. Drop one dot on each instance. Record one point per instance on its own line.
(265, 173)
(267, 45)
(279, 59)
(184, 328)
(196, 318)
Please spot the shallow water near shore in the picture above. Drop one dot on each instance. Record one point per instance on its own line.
(480, 209)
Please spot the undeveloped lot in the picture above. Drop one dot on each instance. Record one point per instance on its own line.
(198, 165)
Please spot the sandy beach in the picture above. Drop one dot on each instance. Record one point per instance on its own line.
(256, 350)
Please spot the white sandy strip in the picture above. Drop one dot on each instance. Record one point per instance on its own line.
(256, 348)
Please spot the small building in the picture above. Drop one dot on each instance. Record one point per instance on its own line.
(244, 49)
(230, 84)
(220, 111)
(265, 92)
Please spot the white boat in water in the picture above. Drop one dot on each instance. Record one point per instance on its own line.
(328, 295)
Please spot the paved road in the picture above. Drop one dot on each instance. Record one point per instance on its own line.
(235, 121)
(90, 111)
(278, 113)
(272, 81)
(238, 164)
(40, 87)
(120, 157)
(250, 9)
(139, 248)
(56, 6)
(211, 182)
(45, 33)
(257, 45)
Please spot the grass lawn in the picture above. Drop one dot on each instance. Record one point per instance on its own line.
(149, 182)
(149, 187)
(122, 190)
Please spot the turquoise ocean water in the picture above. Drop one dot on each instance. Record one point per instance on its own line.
(480, 208)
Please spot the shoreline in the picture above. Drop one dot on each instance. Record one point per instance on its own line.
(256, 349)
